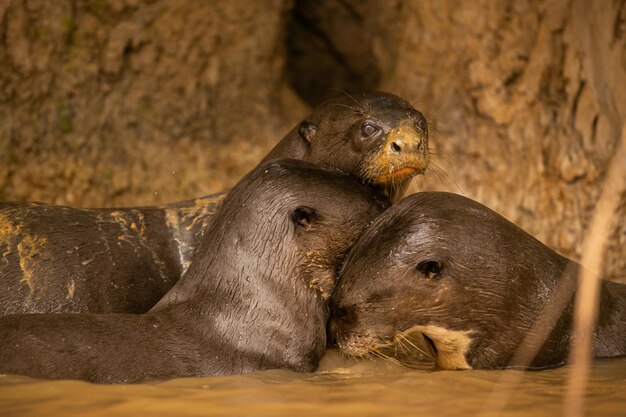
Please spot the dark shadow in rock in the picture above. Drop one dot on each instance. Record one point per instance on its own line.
(330, 49)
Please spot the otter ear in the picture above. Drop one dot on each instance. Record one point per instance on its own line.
(303, 216)
(307, 130)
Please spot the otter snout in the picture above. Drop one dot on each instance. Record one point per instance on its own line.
(408, 138)
(340, 321)
(404, 154)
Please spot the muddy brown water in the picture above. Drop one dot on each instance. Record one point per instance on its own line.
(341, 387)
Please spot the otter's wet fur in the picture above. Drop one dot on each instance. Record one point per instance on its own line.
(250, 299)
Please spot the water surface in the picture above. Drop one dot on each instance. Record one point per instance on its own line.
(341, 387)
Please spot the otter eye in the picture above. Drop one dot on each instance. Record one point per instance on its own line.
(303, 216)
(430, 269)
(368, 129)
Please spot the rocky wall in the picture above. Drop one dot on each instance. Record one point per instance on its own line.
(114, 102)
(122, 102)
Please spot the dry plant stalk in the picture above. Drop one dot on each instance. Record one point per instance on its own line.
(586, 308)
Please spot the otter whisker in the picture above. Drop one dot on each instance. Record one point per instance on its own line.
(425, 181)
(433, 125)
(400, 350)
(349, 355)
(376, 353)
(440, 170)
(440, 152)
(345, 93)
(400, 342)
(436, 173)
(399, 360)
(439, 158)
(428, 114)
(355, 110)
(406, 339)
(449, 166)
(386, 357)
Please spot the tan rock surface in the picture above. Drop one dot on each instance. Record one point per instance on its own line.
(108, 103)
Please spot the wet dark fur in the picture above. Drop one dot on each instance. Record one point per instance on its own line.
(63, 259)
(495, 280)
(123, 260)
(251, 299)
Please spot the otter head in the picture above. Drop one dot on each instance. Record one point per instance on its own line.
(270, 260)
(444, 267)
(377, 137)
(325, 211)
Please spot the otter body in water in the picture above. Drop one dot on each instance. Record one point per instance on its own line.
(468, 280)
(254, 296)
(62, 259)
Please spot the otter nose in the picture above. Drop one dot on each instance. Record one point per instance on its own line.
(340, 313)
(340, 318)
(395, 147)
(408, 145)
(406, 140)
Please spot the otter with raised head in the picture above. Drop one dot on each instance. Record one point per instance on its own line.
(253, 298)
(61, 259)
(468, 280)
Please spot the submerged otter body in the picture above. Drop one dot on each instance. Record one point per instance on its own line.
(254, 296)
(471, 282)
(61, 259)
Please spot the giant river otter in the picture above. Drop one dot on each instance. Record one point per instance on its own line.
(254, 296)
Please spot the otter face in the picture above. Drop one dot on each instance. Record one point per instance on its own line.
(378, 137)
(444, 267)
(328, 218)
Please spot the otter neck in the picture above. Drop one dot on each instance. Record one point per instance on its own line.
(609, 337)
(261, 307)
(244, 289)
